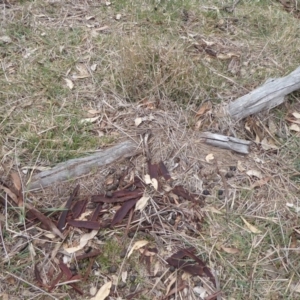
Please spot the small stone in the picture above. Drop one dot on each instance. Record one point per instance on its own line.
(176, 160)
(109, 194)
(132, 278)
(87, 249)
(82, 265)
(72, 267)
(172, 269)
(229, 174)
(123, 253)
(172, 222)
(131, 234)
(132, 288)
(121, 285)
(95, 266)
(158, 274)
(112, 269)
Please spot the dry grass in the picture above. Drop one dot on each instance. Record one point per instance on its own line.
(161, 58)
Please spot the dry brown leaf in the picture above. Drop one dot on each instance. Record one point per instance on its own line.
(142, 203)
(213, 210)
(252, 228)
(254, 173)
(295, 127)
(124, 276)
(89, 120)
(147, 252)
(94, 67)
(83, 241)
(240, 166)
(94, 111)
(83, 72)
(5, 39)
(296, 115)
(272, 126)
(152, 181)
(261, 182)
(172, 280)
(69, 83)
(198, 124)
(9, 193)
(208, 43)
(234, 66)
(16, 181)
(204, 108)
(230, 250)
(268, 144)
(103, 291)
(137, 245)
(138, 121)
(227, 55)
(209, 157)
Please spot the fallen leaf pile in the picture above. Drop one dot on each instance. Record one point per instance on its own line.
(129, 201)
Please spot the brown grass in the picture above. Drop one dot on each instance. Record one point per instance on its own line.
(162, 61)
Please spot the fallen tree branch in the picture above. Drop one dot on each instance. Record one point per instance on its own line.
(226, 142)
(265, 97)
(77, 167)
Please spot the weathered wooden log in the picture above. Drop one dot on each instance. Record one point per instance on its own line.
(74, 168)
(265, 97)
(226, 142)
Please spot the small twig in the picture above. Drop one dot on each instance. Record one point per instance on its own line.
(2, 241)
(145, 138)
(68, 282)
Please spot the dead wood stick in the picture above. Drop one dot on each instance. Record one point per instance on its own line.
(265, 97)
(77, 167)
(226, 142)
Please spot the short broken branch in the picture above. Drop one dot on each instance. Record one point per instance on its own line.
(77, 167)
(226, 142)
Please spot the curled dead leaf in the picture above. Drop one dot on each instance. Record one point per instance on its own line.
(261, 182)
(103, 291)
(89, 120)
(296, 115)
(209, 157)
(226, 55)
(254, 173)
(138, 121)
(83, 241)
(252, 228)
(230, 250)
(153, 181)
(204, 108)
(137, 245)
(142, 203)
(69, 83)
(295, 127)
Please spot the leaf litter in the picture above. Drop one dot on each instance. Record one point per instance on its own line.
(132, 197)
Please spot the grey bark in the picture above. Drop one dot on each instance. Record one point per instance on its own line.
(226, 142)
(74, 168)
(265, 97)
